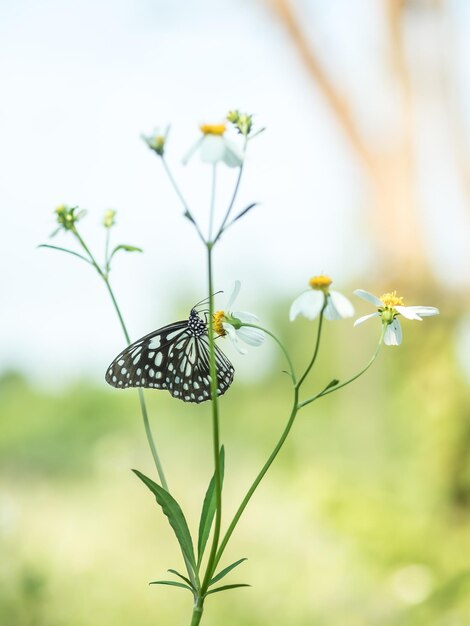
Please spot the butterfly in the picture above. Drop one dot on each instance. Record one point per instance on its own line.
(176, 358)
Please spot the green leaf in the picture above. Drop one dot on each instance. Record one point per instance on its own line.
(331, 384)
(225, 587)
(173, 571)
(208, 510)
(244, 212)
(125, 247)
(175, 516)
(225, 571)
(172, 583)
(80, 256)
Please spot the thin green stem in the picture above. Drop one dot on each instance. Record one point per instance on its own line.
(260, 476)
(182, 199)
(234, 195)
(212, 204)
(282, 347)
(317, 347)
(143, 407)
(211, 563)
(329, 389)
(106, 252)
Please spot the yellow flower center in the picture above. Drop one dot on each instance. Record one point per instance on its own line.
(391, 299)
(217, 320)
(320, 282)
(212, 129)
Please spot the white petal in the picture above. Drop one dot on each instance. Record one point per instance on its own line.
(362, 319)
(393, 335)
(192, 150)
(212, 148)
(251, 336)
(245, 317)
(365, 295)
(408, 312)
(232, 156)
(232, 335)
(233, 295)
(417, 312)
(338, 307)
(308, 304)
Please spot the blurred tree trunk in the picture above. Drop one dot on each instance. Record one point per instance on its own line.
(394, 209)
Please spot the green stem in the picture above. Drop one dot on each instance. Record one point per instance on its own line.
(282, 347)
(234, 195)
(329, 389)
(317, 347)
(212, 206)
(106, 253)
(179, 193)
(198, 609)
(260, 476)
(143, 407)
(211, 563)
(285, 433)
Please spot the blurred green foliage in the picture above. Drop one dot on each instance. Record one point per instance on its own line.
(364, 518)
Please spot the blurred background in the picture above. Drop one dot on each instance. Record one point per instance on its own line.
(363, 173)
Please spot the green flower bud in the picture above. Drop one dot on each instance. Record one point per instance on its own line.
(108, 219)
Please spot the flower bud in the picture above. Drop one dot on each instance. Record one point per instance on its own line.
(108, 219)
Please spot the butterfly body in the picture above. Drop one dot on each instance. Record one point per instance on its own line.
(175, 358)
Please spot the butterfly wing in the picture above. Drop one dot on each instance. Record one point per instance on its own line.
(190, 366)
(145, 362)
(171, 358)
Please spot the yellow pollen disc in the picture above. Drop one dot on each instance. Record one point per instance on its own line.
(391, 299)
(320, 282)
(217, 323)
(212, 129)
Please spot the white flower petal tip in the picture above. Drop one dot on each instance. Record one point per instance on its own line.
(364, 318)
(393, 334)
(369, 297)
(338, 307)
(308, 304)
(231, 325)
(234, 294)
(251, 336)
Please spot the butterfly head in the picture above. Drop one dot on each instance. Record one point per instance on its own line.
(196, 325)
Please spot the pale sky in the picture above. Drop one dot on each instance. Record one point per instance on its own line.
(82, 80)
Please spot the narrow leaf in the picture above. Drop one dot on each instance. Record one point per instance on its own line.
(225, 571)
(171, 583)
(225, 587)
(80, 256)
(175, 516)
(244, 212)
(125, 247)
(331, 384)
(208, 510)
(173, 571)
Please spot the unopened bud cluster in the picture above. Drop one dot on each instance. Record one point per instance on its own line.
(243, 122)
(68, 216)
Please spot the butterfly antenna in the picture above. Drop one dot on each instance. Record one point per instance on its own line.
(206, 300)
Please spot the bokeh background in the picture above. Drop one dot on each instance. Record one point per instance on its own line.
(363, 173)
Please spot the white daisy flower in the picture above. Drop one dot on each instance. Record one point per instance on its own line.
(214, 147)
(157, 140)
(310, 303)
(231, 323)
(389, 306)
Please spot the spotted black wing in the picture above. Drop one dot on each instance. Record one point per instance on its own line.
(189, 376)
(171, 358)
